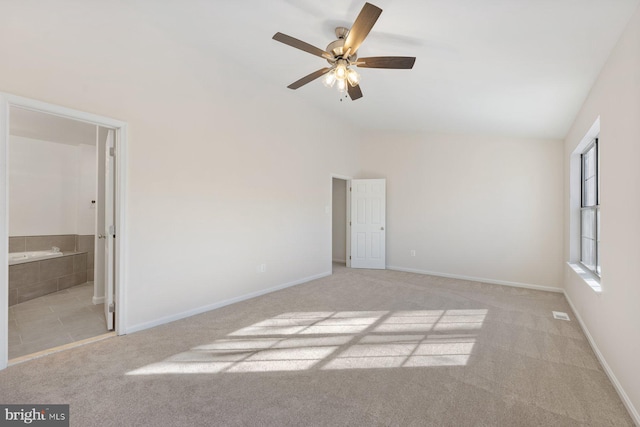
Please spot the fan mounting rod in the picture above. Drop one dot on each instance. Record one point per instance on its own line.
(342, 32)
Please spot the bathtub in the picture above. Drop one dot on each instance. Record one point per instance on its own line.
(22, 257)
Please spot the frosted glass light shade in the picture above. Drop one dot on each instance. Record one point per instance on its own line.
(353, 77)
(329, 79)
(341, 71)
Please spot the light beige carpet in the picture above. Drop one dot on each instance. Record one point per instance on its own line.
(359, 348)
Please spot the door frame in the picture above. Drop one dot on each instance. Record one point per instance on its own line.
(6, 102)
(348, 229)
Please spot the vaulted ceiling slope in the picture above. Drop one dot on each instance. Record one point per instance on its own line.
(505, 67)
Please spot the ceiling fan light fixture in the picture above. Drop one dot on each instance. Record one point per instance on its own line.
(353, 77)
(330, 78)
(341, 54)
(341, 70)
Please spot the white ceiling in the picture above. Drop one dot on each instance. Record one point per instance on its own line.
(511, 67)
(47, 127)
(501, 67)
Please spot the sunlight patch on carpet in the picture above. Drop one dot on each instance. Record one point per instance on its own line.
(301, 341)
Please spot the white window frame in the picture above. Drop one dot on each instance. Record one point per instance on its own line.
(595, 208)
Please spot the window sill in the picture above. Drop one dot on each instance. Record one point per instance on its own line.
(589, 278)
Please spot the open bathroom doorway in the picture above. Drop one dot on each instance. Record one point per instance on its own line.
(63, 207)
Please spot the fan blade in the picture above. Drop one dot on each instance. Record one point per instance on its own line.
(307, 79)
(396, 62)
(299, 44)
(361, 27)
(354, 92)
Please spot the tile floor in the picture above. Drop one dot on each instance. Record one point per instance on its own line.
(53, 320)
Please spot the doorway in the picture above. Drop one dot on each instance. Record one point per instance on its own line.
(58, 242)
(339, 254)
(358, 222)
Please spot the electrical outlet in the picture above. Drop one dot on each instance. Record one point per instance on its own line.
(262, 268)
(413, 252)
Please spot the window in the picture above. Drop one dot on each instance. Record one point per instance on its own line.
(590, 208)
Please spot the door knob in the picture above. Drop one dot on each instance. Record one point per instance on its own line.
(381, 228)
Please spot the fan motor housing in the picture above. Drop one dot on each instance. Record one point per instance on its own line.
(336, 47)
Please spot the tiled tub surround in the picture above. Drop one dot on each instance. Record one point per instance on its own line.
(66, 243)
(33, 279)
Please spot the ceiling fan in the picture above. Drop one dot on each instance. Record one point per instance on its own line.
(342, 54)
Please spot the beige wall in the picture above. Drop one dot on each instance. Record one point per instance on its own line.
(51, 186)
(612, 317)
(339, 220)
(88, 178)
(479, 207)
(44, 185)
(222, 177)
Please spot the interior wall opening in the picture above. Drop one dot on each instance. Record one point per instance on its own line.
(339, 221)
(55, 169)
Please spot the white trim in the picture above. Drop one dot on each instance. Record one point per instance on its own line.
(587, 276)
(633, 412)
(591, 134)
(479, 279)
(4, 233)
(57, 110)
(97, 300)
(341, 261)
(122, 234)
(347, 237)
(342, 177)
(209, 307)
(575, 190)
(8, 100)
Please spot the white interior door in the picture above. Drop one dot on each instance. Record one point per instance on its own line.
(109, 231)
(368, 222)
(98, 279)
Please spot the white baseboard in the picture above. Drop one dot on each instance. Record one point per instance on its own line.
(478, 279)
(341, 261)
(204, 309)
(97, 300)
(614, 380)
